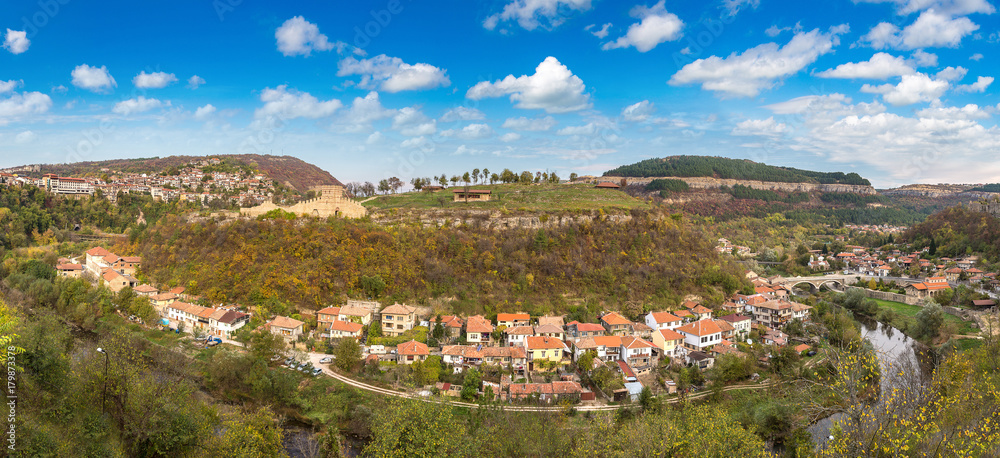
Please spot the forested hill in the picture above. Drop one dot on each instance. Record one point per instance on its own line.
(958, 231)
(735, 169)
(287, 170)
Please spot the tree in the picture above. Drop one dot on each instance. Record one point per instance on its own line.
(347, 354)
(485, 174)
(373, 286)
(406, 428)
(475, 175)
(250, 434)
(265, 345)
(573, 176)
(383, 186)
(932, 249)
(417, 183)
(646, 399)
(442, 180)
(427, 372)
(929, 320)
(494, 178)
(470, 384)
(586, 361)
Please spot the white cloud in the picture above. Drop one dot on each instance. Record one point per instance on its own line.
(952, 73)
(760, 67)
(25, 137)
(427, 128)
(656, 26)
(374, 138)
(408, 116)
(20, 104)
(510, 137)
(202, 113)
(463, 150)
(7, 86)
(96, 79)
(531, 14)
(934, 30)
(979, 86)
(367, 109)
(462, 114)
(882, 36)
(155, 80)
(530, 125)
(912, 89)
(586, 129)
(470, 132)
(638, 112)
(976, 57)
(16, 41)
(968, 112)
(417, 142)
(391, 74)
(195, 81)
(950, 7)
(553, 88)
(762, 127)
(600, 33)
(734, 6)
(137, 105)
(924, 59)
(290, 104)
(880, 66)
(774, 30)
(297, 36)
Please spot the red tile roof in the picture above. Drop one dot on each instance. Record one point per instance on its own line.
(412, 348)
(700, 328)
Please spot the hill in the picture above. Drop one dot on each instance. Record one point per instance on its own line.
(529, 197)
(958, 231)
(287, 170)
(734, 169)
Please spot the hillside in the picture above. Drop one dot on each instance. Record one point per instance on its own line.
(958, 231)
(513, 197)
(731, 169)
(287, 170)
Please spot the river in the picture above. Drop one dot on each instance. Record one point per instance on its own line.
(894, 349)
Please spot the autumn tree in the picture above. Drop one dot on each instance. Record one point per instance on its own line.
(405, 428)
(347, 354)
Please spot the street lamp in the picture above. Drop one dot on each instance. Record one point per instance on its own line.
(104, 396)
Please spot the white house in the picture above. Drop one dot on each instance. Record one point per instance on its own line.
(700, 335)
(663, 320)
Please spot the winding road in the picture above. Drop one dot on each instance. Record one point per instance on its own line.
(315, 357)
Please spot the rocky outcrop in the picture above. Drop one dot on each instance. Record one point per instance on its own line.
(491, 219)
(716, 183)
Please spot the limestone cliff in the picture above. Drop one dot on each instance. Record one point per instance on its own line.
(716, 183)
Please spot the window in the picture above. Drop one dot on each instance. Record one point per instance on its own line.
(388, 318)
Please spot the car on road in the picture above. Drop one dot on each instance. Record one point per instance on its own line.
(326, 360)
(317, 371)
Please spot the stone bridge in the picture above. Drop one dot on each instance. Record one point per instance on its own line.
(837, 281)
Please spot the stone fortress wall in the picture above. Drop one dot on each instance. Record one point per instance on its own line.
(331, 202)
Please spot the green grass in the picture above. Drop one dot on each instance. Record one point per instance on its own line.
(906, 317)
(533, 197)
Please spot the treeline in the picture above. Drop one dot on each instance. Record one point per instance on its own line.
(725, 168)
(992, 187)
(958, 231)
(852, 198)
(29, 214)
(275, 264)
(472, 177)
(666, 186)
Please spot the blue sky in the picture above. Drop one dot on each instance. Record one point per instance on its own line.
(900, 91)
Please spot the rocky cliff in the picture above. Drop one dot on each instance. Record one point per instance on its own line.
(715, 183)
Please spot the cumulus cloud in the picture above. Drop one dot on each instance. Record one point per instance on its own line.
(418, 142)
(950, 7)
(532, 14)
(976, 57)
(195, 81)
(553, 88)
(290, 104)
(930, 30)
(599, 33)
(924, 59)
(299, 37)
(96, 79)
(470, 132)
(7, 86)
(463, 150)
(586, 129)
(20, 104)
(760, 67)
(202, 113)
(391, 74)
(16, 41)
(912, 89)
(760, 127)
(638, 112)
(979, 86)
(530, 125)
(137, 105)
(656, 26)
(733, 7)
(952, 73)
(462, 114)
(374, 138)
(155, 80)
(510, 137)
(968, 112)
(879, 67)
(364, 111)
(412, 122)
(25, 137)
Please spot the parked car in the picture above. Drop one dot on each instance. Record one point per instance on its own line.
(317, 371)
(326, 360)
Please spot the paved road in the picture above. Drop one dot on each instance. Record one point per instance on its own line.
(315, 357)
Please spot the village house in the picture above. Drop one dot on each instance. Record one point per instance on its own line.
(930, 287)
(668, 342)
(550, 330)
(478, 330)
(543, 348)
(513, 319)
(640, 330)
(69, 270)
(162, 300)
(700, 312)
(800, 311)
(115, 281)
(145, 291)
(326, 316)
(397, 319)
(223, 323)
(772, 313)
(412, 351)
(341, 329)
(452, 326)
(700, 335)
(553, 320)
(740, 323)
(638, 353)
(581, 330)
(459, 355)
(516, 335)
(472, 195)
(356, 314)
(545, 392)
(516, 357)
(663, 320)
(615, 324)
(288, 328)
(728, 330)
(605, 347)
(700, 359)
